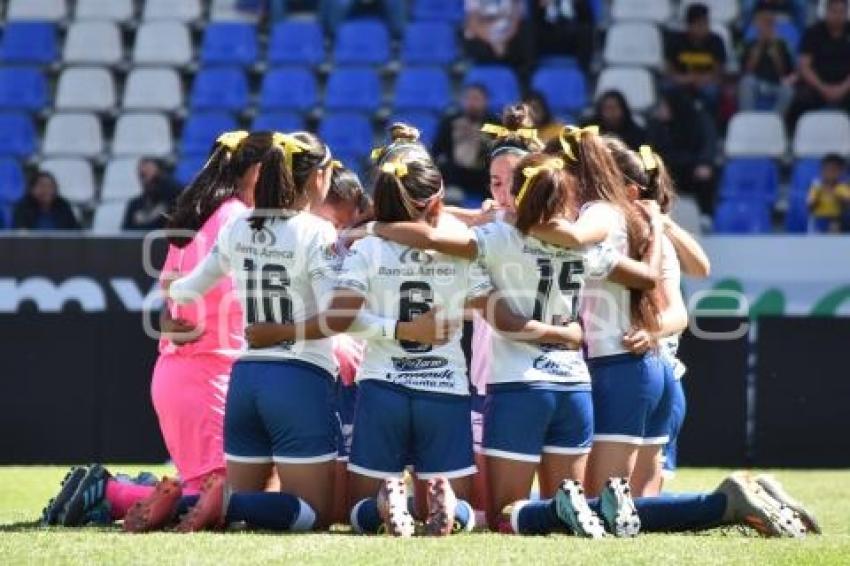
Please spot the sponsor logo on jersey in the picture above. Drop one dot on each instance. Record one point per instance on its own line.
(419, 364)
(572, 369)
(263, 237)
(412, 255)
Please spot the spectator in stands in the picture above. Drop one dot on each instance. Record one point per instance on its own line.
(793, 10)
(564, 27)
(613, 116)
(459, 148)
(548, 127)
(42, 208)
(148, 210)
(824, 64)
(496, 32)
(686, 138)
(766, 65)
(829, 196)
(695, 57)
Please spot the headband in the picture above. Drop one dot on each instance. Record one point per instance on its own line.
(530, 173)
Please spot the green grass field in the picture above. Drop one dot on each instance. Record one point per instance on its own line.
(23, 491)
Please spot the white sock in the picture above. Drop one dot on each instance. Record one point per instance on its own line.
(306, 518)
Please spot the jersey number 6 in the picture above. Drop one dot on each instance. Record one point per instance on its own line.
(415, 299)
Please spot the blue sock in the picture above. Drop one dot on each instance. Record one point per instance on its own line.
(681, 512)
(365, 518)
(536, 517)
(465, 515)
(270, 511)
(186, 503)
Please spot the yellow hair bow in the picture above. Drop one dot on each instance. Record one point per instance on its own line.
(231, 140)
(531, 172)
(647, 156)
(503, 132)
(291, 145)
(376, 153)
(336, 164)
(396, 168)
(573, 134)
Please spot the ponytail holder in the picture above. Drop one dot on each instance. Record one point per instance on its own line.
(650, 163)
(503, 132)
(572, 134)
(290, 145)
(336, 164)
(375, 154)
(531, 172)
(231, 140)
(395, 168)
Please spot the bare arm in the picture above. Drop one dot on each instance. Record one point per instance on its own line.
(691, 255)
(498, 313)
(424, 237)
(590, 228)
(674, 317)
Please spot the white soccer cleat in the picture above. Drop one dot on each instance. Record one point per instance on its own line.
(392, 507)
(775, 489)
(573, 511)
(618, 509)
(749, 504)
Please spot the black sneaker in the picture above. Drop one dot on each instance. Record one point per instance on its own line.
(90, 493)
(67, 488)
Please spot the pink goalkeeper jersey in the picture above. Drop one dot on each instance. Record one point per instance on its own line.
(218, 312)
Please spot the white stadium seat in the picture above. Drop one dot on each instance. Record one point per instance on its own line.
(153, 89)
(121, 179)
(634, 43)
(73, 134)
(108, 217)
(756, 134)
(822, 132)
(724, 11)
(74, 176)
(635, 83)
(163, 43)
(86, 88)
(93, 42)
(50, 10)
(658, 11)
(176, 10)
(110, 10)
(141, 135)
(228, 11)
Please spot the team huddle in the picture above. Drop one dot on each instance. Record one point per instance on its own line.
(311, 364)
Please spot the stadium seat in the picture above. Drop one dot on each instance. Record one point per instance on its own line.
(803, 174)
(296, 43)
(201, 129)
(634, 43)
(74, 176)
(108, 217)
(500, 82)
(142, 134)
(229, 43)
(742, 217)
(420, 88)
(121, 179)
(821, 132)
(722, 11)
(47, 10)
(564, 88)
(784, 29)
(93, 42)
(429, 43)
(750, 177)
(110, 10)
(636, 84)
(658, 11)
(12, 184)
(29, 42)
(797, 215)
(234, 11)
(353, 89)
(438, 10)
(756, 134)
(219, 89)
(347, 133)
(153, 89)
(19, 138)
(185, 11)
(22, 88)
(686, 213)
(278, 122)
(188, 166)
(362, 42)
(86, 88)
(289, 89)
(75, 134)
(163, 43)
(426, 122)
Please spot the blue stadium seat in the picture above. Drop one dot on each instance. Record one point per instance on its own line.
(744, 216)
(422, 89)
(347, 134)
(22, 88)
(289, 89)
(11, 180)
(429, 43)
(500, 82)
(202, 128)
(18, 137)
(749, 178)
(296, 43)
(425, 122)
(797, 215)
(219, 89)
(188, 167)
(804, 173)
(229, 43)
(29, 42)
(278, 122)
(438, 10)
(353, 89)
(362, 42)
(564, 88)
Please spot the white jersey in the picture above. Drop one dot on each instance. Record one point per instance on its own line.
(671, 271)
(284, 272)
(542, 282)
(399, 283)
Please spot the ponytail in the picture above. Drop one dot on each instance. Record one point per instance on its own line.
(543, 190)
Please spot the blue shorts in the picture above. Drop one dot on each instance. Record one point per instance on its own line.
(346, 399)
(524, 420)
(395, 426)
(280, 411)
(677, 417)
(631, 399)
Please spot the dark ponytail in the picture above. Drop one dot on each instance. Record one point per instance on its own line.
(543, 190)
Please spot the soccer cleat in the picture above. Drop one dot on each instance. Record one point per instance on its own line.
(441, 508)
(775, 489)
(67, 487)
(618, 509)
(90, 493)
(208, 512)
(573, 511)
(157, 510)
(748, 503)
(392, 507)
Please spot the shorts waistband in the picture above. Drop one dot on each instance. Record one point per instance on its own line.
(615, 359)
(538, 386)
(320, 371)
